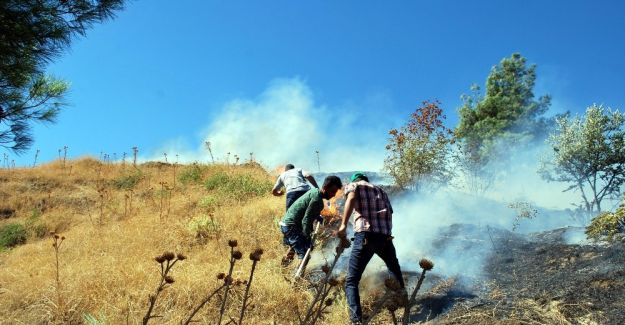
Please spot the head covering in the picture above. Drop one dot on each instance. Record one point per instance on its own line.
(358, 175)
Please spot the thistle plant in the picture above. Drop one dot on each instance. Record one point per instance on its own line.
(255, 258)
(426, 265)
(235, 255)
(210, 151)
(167, 260)
(135, 151)
(220, 276)
(57, 242)
(36, 156)
(393, 288)
(65, 155)
(323, 288)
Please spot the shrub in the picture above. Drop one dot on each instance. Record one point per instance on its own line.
(12, 234)
(128, 181)
(237, 187)
(209, 203)
(205, 227)
(192, 174)
(607, 224)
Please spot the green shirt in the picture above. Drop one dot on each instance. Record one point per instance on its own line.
(304, 210)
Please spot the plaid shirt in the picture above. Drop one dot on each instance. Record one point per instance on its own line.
(373, 211)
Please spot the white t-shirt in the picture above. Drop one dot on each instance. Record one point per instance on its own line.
(293, 180)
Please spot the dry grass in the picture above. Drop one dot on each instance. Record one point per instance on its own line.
(107, 267)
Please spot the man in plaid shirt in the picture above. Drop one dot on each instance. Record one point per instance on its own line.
(372, 223)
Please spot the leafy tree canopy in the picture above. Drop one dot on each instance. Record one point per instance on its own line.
(33, 33)
(507, 109)
(588, 154)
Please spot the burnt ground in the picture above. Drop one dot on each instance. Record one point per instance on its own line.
(539, 279)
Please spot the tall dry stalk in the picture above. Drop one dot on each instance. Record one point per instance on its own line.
(235, 255)
(210, 151)
(426, 265)
(56, 244)
(65, 155)
(167, 261)
(36, 156)
(314, 311)
(135, 151)
(255, 257)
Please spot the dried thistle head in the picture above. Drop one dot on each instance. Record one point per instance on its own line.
(169, 279)
(220, 276)
(333, 282)
(426, 264)
(256, 254)
(160, 259)
(237, 255)
(329, 302)
(169, 256)
(181, 257)
(325, 268)
(228, 280)
(233, 243)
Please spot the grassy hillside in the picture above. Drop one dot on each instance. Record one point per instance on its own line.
(116, 219)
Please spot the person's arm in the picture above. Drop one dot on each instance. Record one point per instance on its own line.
(312, 212)
(350, 203)
(312, 181)
(309, 177)
(277, 189)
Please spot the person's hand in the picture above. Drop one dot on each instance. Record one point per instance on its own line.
(342, 233)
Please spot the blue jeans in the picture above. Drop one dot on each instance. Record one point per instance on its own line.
(364, 246)
(295, 238)
(293, 196)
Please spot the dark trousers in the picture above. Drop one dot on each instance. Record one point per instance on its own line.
(292, 197)
(295, 238)
(364, 246)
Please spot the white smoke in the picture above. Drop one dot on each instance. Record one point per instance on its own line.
(284, 124)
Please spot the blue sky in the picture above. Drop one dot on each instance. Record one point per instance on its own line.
(283, 78)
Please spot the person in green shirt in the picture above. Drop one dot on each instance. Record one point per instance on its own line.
(297, 223)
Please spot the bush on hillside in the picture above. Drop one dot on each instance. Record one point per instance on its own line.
(11, 235)
(128, 181)
(237, 187)
(205, 227)
(607, 224)
(192, 174)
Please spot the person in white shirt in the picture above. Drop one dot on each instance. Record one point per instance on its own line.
(294, 182)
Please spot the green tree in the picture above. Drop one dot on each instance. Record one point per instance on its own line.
(419, 151)
(588, 153)
(33, 33)
(507, 112)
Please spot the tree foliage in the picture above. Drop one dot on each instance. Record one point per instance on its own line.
(589, 155)
(419, 151)
(507, 113)
(33, 33)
